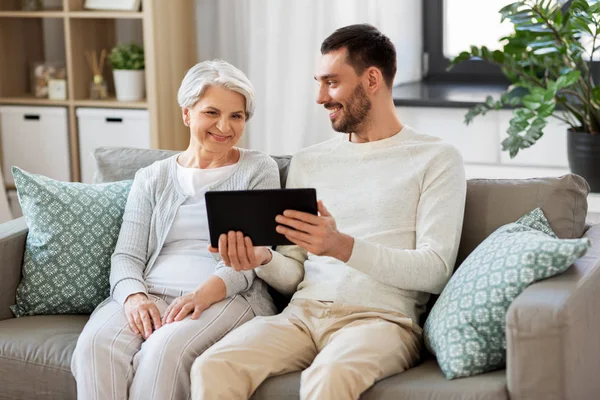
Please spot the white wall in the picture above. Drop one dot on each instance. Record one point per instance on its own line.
(276, 43)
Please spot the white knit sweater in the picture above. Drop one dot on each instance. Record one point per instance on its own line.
(402, 199)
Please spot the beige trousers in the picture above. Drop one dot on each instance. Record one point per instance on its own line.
(342, 350)
(111, 362)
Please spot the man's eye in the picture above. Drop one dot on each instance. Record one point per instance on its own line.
(331, 83)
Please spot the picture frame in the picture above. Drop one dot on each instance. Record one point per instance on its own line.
(113, 5)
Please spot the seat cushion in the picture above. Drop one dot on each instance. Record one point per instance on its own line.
(35, 356)
(425, 382)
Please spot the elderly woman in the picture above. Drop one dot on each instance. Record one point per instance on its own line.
(170, 300)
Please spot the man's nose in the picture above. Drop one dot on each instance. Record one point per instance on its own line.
(323, 96)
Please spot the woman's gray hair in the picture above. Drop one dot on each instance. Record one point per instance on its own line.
(211, 73)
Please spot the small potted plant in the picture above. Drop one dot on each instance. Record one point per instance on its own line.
(127, 61)
(551, 70)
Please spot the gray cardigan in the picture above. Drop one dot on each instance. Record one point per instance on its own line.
(151, 207)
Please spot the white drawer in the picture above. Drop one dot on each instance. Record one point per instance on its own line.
(36, 140)
(102, 127)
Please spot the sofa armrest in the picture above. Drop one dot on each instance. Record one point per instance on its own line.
(552, 333)
(12, 247)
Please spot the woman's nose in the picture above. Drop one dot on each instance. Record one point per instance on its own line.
(223, 125)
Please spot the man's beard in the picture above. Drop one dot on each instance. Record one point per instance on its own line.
(354, 113)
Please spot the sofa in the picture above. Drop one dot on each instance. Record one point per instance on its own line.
(553, 344)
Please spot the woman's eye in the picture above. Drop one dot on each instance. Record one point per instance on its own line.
(211, 113)
(237, 116)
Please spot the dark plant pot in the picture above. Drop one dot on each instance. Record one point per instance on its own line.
(583, 151)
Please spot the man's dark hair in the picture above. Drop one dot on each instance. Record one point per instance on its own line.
(366, 47)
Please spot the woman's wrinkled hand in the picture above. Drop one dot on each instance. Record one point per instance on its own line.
(211, 291)
(238, 252)
(142, 314)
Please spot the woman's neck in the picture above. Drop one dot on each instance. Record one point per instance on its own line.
(200, 158)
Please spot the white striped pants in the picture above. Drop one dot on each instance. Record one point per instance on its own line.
(111, 362)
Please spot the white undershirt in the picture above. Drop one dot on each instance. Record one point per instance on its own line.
(184, 261)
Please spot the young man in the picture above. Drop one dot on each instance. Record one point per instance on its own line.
(363, 270)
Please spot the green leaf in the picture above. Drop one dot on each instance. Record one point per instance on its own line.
(509, 9)
(558, 18)
(596, 93)
(498, 56)
(568, 79)
(531, 103)
(541, 28)
(523, 114)
(545, 50)
(542, 43)
(546, 110)
(512, 144)
(582, 25)
(534, 133)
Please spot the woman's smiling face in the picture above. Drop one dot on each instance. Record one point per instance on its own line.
(218, 119)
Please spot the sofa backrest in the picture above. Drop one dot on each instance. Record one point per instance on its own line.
(491, 203)
(121, 163)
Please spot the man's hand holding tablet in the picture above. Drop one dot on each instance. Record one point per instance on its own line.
(317, 233)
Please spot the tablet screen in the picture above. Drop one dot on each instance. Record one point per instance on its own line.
(253, 212)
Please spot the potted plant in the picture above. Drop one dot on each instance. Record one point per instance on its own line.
(551, 73)
(128, 65)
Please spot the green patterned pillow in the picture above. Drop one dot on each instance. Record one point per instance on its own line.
(466, 327)
(73, 230)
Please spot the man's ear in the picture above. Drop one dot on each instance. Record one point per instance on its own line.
(374, 79)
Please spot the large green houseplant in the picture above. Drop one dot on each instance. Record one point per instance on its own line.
(551, 74)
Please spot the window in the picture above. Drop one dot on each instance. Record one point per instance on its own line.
(451, 26)
(485, 30)
(449, 29)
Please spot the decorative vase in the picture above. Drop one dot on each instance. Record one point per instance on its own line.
(583, 151)
(130, 85)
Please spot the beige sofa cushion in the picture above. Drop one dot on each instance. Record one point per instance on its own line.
(492, 203)
(424, 382)
(35, 356)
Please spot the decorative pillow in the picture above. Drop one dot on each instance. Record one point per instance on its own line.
(466, 327)
(73, 230)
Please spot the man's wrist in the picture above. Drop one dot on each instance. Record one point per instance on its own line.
(268, 256)
(344, 249)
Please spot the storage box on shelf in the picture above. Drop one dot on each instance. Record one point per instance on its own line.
(109, 127)
(35, 139)
(165, 29)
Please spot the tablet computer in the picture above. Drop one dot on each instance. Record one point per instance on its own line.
(253, 212)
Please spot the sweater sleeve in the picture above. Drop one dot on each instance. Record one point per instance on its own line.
(439, 219)
(130, 256)
(240, 281)
(285, 271)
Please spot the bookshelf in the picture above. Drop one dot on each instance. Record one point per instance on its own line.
(168, 32)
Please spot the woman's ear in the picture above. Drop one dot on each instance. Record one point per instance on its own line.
(185, 114)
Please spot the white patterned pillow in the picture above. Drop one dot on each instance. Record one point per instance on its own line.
(466, 327)
(73, 230)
